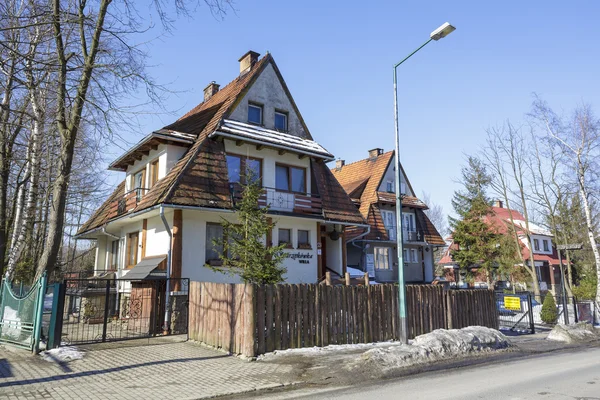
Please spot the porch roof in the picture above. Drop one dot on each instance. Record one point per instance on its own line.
(147, 269)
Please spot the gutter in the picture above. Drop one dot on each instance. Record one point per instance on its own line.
(103, 230)
(168, 288)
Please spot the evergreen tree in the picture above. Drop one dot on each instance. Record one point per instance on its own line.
(244, 251)
(549, 314)
(479, 245)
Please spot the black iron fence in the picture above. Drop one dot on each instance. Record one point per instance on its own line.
(102, 310)
(515, 312)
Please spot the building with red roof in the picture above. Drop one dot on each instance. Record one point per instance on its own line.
(545, 255)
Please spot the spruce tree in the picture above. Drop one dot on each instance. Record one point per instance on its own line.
(245, 251)
(478, 244)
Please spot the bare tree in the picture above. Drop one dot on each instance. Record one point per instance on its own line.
(436, 214)
(579, 138)
(506, 155)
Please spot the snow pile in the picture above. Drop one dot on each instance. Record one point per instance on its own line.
(575, 333)
(440, 344)
(62, 354)
(331, 349)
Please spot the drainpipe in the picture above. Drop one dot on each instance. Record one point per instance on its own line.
(103, 230)
(359, 236)
(168, 288)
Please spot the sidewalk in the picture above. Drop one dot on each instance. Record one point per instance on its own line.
(159, 371)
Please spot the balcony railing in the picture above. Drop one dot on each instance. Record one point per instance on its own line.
(408, 236)
(126, 203)
(281, 200)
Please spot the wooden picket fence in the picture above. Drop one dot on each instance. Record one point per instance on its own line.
(252, 320)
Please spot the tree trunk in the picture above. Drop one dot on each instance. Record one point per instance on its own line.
(590, 225)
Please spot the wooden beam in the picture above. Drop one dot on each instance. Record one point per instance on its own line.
(177, 250)
(144, 229)
(281, 152)
(344, 251)
(301, 156)
(239, 142)
(259, 147)
(154, 147)
(320, 272)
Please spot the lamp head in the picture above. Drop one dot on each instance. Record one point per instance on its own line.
(442, 31)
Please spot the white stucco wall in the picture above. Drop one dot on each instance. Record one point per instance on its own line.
(268, 92)
(541, 239)
(167, 156)
(269, 159)
(390, 176)
(100, 262)
(334, 255)
(194, 248)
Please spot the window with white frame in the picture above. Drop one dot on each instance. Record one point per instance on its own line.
(382, 258)
(390, 187)
(414, 258)
(255, 112)
(285, 236)
(409, 222)
(546, 247)
(114, 255)
(281, 121)
(405, 256)
(214, 245)
(303, 239)
(536, 244)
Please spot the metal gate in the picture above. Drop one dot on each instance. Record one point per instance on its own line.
(21, 311)
(103, 310)
(515, 312)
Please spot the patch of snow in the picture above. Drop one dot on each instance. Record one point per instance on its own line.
(355, 272)
(575, 333)
(310, 351)
(62, 354)
(440, 344)
(12, 324)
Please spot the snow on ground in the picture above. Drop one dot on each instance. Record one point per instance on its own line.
(62, 354)
(574, 333)
(12, 323)
(440, 344)
(314, 351)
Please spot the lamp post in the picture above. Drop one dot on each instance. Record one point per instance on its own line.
(436, 35)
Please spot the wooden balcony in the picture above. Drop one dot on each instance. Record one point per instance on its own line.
(126, 203)
(281, 200)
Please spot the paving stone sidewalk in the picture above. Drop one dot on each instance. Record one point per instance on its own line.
(163, 371)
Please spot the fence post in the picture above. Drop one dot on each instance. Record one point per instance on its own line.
(366, 279)
(328, 278)
(39, 313)
(249, 347)
(106, 305)
(347, 276)
(575, 310)
(56, 319)
(531, 324)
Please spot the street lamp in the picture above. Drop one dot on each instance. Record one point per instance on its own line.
(436, 35)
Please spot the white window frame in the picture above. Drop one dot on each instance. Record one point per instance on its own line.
(383, 254)
(414, 258)
(285, 115)
(406, 226)
(390, 187)
(546, 246)
(260, 108)
(536, 244)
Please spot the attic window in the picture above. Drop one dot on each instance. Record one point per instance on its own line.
(255, 114)
(281, 121)
(390, 187)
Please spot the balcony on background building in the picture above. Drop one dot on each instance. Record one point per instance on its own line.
(126, 203)
(284, 201)
(408, 236)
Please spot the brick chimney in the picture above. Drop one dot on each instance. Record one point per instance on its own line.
(374, 153)
(340, 163)
(499, 204)
(247, 61)
(210, 90)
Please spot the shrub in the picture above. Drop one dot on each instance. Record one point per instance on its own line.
(549, 313)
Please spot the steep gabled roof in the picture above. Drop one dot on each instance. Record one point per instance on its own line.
(200, 177)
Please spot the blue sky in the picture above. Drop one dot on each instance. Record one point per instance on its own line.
(337, 58)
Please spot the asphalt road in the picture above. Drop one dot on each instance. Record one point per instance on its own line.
(563, 375)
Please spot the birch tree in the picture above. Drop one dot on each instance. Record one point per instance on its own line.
(579, 138)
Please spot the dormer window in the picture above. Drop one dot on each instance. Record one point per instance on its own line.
(281, 121)
(255, 112)
(390, 187)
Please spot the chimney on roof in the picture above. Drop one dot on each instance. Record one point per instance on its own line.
(340, 163)
(499, 204)
(210, 90)
(374, 153)
(247, 61)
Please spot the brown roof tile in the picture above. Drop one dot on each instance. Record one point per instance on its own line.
(100, 217)
(200, 177)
